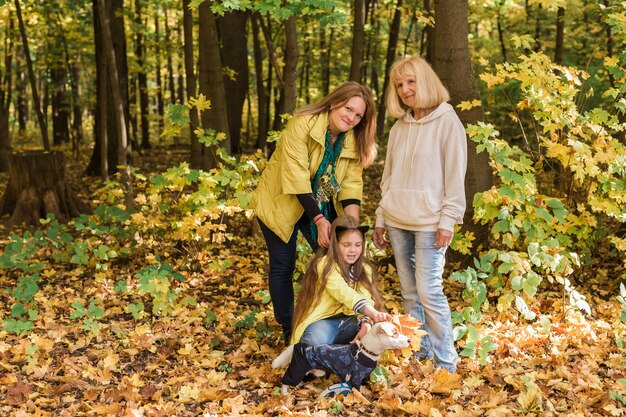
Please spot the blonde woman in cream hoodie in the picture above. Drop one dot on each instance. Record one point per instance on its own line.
(423, 197)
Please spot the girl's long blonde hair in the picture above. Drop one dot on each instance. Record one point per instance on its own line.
(313, 285)
(365, 130)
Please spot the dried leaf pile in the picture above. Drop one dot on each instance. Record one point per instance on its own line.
(191, 363)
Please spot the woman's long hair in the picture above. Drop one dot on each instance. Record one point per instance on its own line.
(313, 285)
(365, 130)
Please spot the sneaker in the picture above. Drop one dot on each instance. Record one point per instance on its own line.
(335, 390)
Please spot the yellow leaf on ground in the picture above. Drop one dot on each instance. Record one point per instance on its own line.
(444, 382)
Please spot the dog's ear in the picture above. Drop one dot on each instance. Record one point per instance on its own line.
(390, 331)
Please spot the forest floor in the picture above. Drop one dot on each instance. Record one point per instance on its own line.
(213, 357)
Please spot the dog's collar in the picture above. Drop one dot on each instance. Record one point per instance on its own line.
(358, 349)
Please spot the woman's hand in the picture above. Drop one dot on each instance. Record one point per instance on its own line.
(380, 241)
(323, 232)
(443, 238)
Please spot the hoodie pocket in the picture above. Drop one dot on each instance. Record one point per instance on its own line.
(409, 207)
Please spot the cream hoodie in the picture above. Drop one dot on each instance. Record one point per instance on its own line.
(423, 183)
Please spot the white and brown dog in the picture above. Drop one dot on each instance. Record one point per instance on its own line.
(351, 363)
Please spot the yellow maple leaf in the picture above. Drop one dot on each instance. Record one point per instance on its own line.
(444, 382)
(200, 103)
(491, 79)
(467, 105)
(355, 397)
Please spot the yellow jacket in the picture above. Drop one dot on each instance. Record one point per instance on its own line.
(292, 167)
(338, 297)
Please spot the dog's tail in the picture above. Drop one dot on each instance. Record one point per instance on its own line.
(283, 360)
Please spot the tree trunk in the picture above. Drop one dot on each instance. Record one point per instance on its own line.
(31, 75)
(38, 186)
(21, 104)
(211, 82)
(394, 34)
(325, 59)
(60, 110)
(290, 74)
(261, 92)
(104, 96)
(429, 32)
(170, 66)
(560, 33)
(142, 78)
(234, 54)
(190, 78)
(118, 104)
(501, 33)
(453, 65)
(358, 41)
(160, 108)
(6, 90)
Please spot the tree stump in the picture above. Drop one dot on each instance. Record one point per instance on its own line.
(38, 186)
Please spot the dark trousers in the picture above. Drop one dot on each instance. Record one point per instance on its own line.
(282, 265)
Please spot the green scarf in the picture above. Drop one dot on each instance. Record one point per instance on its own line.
(324, 184)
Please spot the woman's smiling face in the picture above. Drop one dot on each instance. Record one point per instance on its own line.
(346, 116)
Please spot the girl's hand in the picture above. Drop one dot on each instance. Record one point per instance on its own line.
(376, 315)
(365, 327)
(323, 232)
(380, 241)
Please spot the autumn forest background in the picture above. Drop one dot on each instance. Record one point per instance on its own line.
(132, 133)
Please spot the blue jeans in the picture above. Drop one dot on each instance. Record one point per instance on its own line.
(333, 330)
(282, 265)
(420, 268)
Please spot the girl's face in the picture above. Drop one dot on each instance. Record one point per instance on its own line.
(405, 87)
(350, 246)
(348, 115)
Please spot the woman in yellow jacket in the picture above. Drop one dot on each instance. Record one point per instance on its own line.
(314, 175)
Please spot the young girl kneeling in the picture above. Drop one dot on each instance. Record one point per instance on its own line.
(339, 298)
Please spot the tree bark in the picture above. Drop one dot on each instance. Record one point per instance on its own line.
(38, 186)
(211, 82)
(118, 104)
(104, 95)
(560, 33)
(261, 92)
(292, 56)
(190, 85)
(453, 65)
(31, 75)
(169, 63)
(6, 89)
(142, 78)
(21, 104)
(358, 41)
(60, 110)
(394, 34)
(501, 32)
(160, 108)
(234, 55)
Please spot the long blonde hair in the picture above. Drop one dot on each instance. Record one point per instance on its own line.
(365, 130)
(313, 285)
(429, 91)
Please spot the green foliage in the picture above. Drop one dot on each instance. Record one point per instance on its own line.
(552, 204)
(476, 344)
(620, 326)
(381, 374)
(159, 281)
(617, 396)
